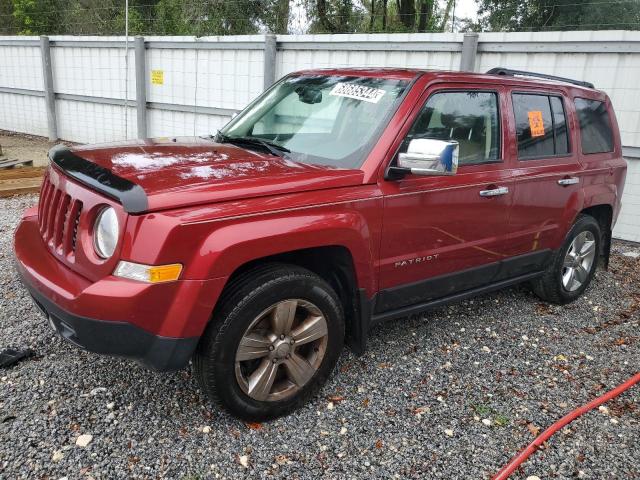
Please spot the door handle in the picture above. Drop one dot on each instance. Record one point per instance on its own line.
(494, 192)
(568, 181)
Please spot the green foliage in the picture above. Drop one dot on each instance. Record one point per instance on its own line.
(334, 16)
(371, 16)
(501, 420)
(34, 17)
(237, 17)
(136, 23)
(217, 17)
(7, 20)
(483, 410)
(79, 17)
(536, 15)
(275, 15)
(486, 411)
(224, 17)
(172, 18)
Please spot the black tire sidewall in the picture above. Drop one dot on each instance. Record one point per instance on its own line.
(304, 287)
(583, 224)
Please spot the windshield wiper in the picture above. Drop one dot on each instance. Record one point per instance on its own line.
(271, 147)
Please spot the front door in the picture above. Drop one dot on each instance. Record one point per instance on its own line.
(446, 234)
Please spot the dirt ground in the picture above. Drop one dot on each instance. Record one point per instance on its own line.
(25, 147)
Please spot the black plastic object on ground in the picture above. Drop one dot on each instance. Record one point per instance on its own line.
(11, 356)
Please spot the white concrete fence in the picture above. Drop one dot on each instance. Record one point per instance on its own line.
(86, 89)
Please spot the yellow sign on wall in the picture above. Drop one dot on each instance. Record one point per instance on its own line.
(157, 77)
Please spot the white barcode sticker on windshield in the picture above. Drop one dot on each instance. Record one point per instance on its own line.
(358, 92)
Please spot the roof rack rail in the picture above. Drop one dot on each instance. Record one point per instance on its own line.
(513, 73)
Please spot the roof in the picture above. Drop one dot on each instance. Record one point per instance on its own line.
(448, 75)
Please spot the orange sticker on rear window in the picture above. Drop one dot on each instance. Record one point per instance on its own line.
(536, 123)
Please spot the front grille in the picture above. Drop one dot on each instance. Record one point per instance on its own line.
(58, 216)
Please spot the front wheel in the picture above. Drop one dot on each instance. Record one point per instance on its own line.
(272, 343)
(573, 265)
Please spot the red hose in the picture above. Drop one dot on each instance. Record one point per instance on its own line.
(516, 461)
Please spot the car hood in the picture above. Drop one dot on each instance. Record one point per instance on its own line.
(187, 171)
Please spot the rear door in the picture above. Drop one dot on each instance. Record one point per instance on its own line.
(444, 234)
(546, 172)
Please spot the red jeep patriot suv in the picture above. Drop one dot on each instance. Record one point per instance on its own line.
(336, 200)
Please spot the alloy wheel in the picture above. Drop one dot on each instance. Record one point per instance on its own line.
(281, 350)
(578, 261)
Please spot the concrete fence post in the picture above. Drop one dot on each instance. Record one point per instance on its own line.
(469, 52)
(49, 93)
(269, 60)
(141, 86)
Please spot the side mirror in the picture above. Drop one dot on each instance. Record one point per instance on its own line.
(428, 156)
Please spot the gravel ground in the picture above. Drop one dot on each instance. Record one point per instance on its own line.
(451, 395)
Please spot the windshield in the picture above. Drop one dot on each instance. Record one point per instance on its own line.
(320, 119)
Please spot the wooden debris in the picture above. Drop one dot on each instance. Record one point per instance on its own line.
(27, 172)
(20, 181)
(6, 163)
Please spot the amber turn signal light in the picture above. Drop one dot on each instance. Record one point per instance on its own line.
(148, 273)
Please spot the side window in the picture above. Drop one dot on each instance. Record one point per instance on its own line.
(541, 126)
(470, 118)
(595, 126)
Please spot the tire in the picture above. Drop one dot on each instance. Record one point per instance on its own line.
(553, 286)
(219, 361)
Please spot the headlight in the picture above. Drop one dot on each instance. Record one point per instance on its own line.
(106, 232)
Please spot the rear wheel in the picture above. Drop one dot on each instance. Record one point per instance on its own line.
(574, 265)
(273, 342)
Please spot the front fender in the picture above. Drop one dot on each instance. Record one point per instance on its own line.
(231, 244)
(215, 240)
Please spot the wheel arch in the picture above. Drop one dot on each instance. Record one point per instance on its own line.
(335, 265)
(603, 214)
(598, 200)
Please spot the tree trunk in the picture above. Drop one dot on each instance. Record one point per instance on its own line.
(343, 22)
(407, 13)
(447, 13)
(426, 11)
(322, 16)
(384, 15)
(373, 15)
(282, 19)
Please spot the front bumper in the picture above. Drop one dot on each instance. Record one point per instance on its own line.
(117, 338)
(158, 325)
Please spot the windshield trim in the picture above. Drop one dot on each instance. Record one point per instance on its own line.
(376, 134)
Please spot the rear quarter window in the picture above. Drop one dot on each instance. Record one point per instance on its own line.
(596, 135)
